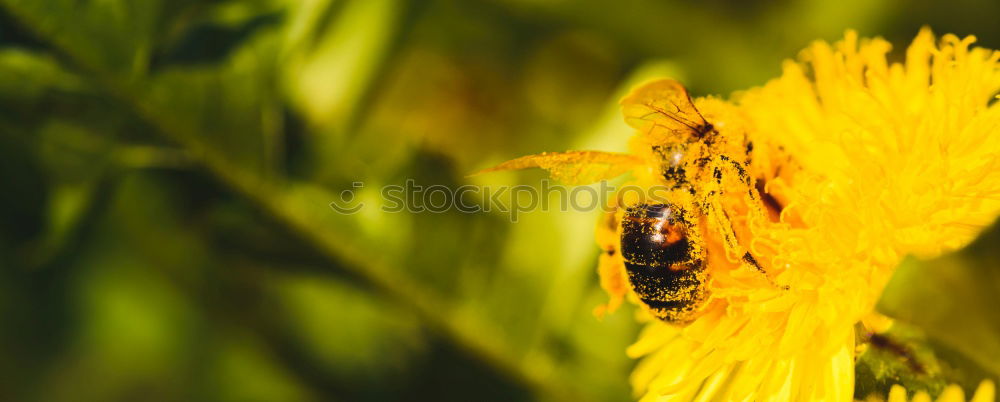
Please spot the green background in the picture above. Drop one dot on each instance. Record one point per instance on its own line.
(167, 168)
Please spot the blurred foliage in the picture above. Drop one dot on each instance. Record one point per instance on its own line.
(953, 300)
(168, 167)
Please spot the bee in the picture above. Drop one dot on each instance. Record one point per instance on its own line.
(661, 243)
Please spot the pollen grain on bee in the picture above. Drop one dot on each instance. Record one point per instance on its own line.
(512, 201)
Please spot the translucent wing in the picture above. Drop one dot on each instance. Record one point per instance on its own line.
(573, 167)
(664, 109)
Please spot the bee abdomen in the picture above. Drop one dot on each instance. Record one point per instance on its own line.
(663, 266)
(673, 296)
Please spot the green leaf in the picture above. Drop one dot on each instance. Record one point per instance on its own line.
(954, 300)
(13, 34)
(902, 355)
(210, 42)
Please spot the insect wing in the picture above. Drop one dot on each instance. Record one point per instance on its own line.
(573, 167)
(663, 109)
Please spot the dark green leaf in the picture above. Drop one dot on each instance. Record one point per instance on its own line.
(210, 43)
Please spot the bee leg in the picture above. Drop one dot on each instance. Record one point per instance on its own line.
(720, 218)
(607, 231)
(728, 166)
(721, 167)
(610, 268)
(733, 246)
(713, 209)
(611, 271)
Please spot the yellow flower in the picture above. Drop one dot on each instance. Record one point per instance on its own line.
(858, 162)
(985, 393)
(871, 161)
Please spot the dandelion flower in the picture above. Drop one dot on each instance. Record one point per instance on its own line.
(871, 161)
(859, 161)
